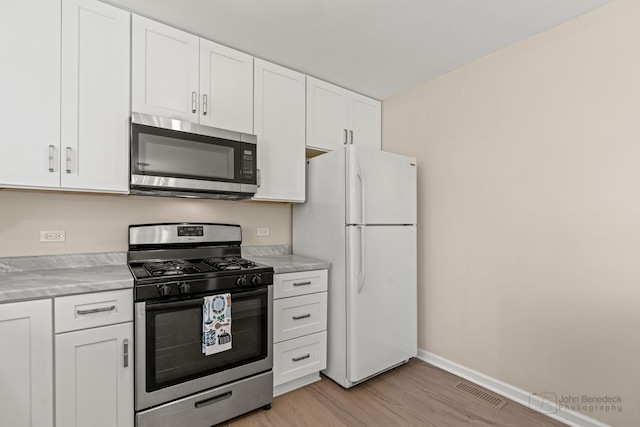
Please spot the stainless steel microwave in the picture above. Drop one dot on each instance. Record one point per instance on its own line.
(179, 159)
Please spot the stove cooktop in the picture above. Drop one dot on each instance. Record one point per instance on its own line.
(184, 269)
(181, 260)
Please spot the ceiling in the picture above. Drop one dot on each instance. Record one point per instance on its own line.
(374, 47)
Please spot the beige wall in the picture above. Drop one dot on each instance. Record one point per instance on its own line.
(529, 210)
(98, 223)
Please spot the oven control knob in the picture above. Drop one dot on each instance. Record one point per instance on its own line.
(241, 281)
(164, 290)
(184, 288)
(256, 280)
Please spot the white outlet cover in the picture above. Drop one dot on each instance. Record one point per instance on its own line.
(263, 231)
(52, 236)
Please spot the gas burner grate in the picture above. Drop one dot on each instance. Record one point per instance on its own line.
(229, 263)
(171, 268)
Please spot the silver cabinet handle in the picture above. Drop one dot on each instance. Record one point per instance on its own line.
(204, 105)
(51, 158)
(351, 133)
(194, 102)
(125, 344)
(68, 159)
(96, 310)
(303, 316)
(301, 283)
(297, 359)
(346, 137)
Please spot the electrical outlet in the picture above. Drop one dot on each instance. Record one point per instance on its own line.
(263, 231)
(52, 236)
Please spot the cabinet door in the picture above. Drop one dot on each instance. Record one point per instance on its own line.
(94, 384)
(279, 123)
(30, 93)
(326, 115)
(164, 70)
(364, 117)
(226, 87)
(95, 96)
(26, 359)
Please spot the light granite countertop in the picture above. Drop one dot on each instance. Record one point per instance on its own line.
(26, 278)
(288, 263)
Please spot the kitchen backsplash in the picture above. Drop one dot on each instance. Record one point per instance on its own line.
(99, 223)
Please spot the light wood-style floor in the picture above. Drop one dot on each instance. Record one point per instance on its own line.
(414, 394)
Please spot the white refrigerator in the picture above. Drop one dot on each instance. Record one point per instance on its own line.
(360, 215)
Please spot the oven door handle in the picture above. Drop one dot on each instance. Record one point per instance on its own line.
(195, 302)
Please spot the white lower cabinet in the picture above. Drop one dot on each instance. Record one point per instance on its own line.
(94, 366)
(299, 331)
(26, 357)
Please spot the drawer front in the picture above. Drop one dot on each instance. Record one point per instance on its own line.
(299, 283)
(299, 316)
(91, 310)
(299, 357)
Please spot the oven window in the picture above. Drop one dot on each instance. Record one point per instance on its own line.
(166, 156)
(174, 339)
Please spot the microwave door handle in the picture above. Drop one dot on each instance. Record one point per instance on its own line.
(259, 178)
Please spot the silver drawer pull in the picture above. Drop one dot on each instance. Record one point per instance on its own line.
(301, 283)
(96, 310)
(213, 400)
(297, 359)
(303, 316)
(125, 344)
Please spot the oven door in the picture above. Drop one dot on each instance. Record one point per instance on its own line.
(169, 359)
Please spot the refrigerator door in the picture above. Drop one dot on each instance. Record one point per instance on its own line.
(381, 298)
(381, 187)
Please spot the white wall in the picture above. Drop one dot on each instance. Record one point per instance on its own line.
(98, 223)
(529, 210)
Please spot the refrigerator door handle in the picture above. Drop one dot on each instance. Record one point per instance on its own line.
(363, 192)
(363, 257)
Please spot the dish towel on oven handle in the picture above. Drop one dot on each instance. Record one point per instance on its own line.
(216, 324)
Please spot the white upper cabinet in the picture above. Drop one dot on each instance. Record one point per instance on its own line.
(280, 126)
(95, 96)
(164, 70)
(65, 96)
(364, 121)
(181, 76)
(226, 86)
(336, 116)
(30, 93)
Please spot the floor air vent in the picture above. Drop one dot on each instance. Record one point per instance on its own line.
(489, 398)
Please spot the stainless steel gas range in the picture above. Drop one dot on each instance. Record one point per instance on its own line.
(203, 325)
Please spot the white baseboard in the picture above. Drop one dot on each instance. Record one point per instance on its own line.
(552, 410)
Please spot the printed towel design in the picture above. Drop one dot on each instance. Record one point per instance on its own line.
(216, 324)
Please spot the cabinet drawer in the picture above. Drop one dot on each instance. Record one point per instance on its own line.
(299, 357)
(298, 316)
(92, 310)
(299, 283)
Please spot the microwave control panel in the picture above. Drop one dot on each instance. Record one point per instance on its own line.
(248, 164)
